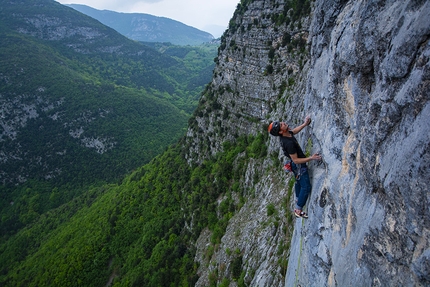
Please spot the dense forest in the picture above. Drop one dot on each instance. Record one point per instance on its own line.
(134, 231)
(77, 113)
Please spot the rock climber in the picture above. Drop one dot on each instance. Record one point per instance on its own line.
(298, 160)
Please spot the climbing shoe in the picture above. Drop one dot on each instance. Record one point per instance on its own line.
(300, 214)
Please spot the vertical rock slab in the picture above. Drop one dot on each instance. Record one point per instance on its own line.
(369, 89)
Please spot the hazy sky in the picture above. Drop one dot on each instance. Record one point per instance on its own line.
(208, 15)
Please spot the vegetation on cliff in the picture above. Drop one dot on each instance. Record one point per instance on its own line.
(75, 113)
(138, 232)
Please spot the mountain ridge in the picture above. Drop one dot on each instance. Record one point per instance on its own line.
(147, 28)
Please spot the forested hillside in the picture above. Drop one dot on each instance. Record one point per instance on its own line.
(137, 233)
(81, 105)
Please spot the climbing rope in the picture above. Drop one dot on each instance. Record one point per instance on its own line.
(300, 255)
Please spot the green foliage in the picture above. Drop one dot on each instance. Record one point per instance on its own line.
(241, 280)
(283, 263)
(300, 8)
(134, 231)
(225, 282)
(282, 88)
(213, 278)
(268, 70)
(134, 100)
(236, 267)
(130, 224)
(308, 148)
(293, 12)
(198, 67)
(279, 19)
(271, 209)
(291, 82)
(124, 116)
(271, 53)
(286, 39)
(291, 183)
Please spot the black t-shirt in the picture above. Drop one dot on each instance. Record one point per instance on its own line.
(291, 146)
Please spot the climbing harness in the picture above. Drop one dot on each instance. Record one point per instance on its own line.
(297, 169)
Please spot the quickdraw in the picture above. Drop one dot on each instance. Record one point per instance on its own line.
(288, 167)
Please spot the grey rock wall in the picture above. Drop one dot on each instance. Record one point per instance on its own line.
(241, 99)
(364, 79)
(368, 90)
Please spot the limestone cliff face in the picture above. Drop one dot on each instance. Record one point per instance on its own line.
(368, 89)
(364, 77)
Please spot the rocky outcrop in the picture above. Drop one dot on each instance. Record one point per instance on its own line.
(368, 89)
(363, 77)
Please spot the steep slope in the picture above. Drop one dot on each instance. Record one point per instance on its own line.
(260, 76)
(147, 28)
(365, 83)
(76, 73)
(79, 104)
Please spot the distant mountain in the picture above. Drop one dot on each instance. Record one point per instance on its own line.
(147, 28)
